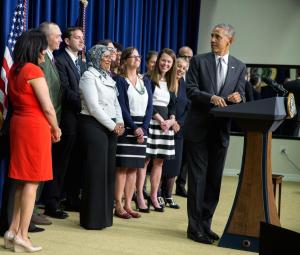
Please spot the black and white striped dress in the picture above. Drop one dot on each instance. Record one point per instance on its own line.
(130, 154)
(160, 144)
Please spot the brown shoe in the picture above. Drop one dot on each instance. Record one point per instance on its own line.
(134, 214)
(40, 219)
(122, 214)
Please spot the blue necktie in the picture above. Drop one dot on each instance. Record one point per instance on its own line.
(77, 66)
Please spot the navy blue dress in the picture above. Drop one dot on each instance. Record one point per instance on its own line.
(171, 168)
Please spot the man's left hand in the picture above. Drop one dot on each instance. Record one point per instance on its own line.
(234, 98)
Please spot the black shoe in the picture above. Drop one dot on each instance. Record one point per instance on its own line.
(161, 202)
(157, 209)
(170, 202)
(58, 214)
(181, 192)
(199, 237)
(212, 234)
(34, 229)
(143, 210)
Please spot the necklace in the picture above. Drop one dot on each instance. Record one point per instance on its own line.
(141, 90)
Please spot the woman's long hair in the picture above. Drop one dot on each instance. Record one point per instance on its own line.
(170, 75)
(28, 47)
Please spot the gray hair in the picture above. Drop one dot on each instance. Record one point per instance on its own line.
(227, 27)
(182, 59)
(45, 27)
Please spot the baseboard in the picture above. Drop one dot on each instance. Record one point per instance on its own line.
(287, 177)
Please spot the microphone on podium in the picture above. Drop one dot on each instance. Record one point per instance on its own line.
(274, 85)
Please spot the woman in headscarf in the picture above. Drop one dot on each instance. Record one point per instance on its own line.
(100, 123)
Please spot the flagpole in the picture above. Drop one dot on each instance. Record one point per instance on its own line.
(84, 4)
(25, 15)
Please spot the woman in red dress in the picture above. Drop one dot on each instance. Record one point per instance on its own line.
(32, 127)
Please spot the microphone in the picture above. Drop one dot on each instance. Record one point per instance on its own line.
(275, 86)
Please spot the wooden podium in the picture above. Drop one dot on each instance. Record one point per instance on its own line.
(254, 200)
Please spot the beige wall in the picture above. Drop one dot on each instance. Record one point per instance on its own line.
(280, 163)
(267, 30)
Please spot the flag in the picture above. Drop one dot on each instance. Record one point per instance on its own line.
(18, 25)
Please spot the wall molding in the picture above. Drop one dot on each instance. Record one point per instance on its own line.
(287, 177)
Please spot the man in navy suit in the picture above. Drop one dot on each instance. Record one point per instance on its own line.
(214, 79)
(70, 67)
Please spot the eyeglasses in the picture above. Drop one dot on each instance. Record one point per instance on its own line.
(136, 57)
(111, 49)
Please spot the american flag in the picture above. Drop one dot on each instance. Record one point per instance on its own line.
(18, 25)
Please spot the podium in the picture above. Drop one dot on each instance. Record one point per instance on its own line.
(254, 200)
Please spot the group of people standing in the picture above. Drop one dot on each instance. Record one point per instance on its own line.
(107, 121)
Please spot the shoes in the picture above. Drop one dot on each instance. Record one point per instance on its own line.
(169, 201)
(161, 202)
(58, 213)
(40, 219)
(133, 213)
(157, 209)
(142, 210)
(212, 234)
(70, 206)
(123, 214)
(21, 246)
(199, 237)
(181, 192)
(34, 229)
(8, 239)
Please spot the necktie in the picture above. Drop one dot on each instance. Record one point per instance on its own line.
(53, 61)
(77, 66)
(220, 75)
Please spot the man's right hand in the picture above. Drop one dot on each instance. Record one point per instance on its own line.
(218, 101)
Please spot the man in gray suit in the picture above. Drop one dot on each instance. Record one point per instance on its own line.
(214, 79)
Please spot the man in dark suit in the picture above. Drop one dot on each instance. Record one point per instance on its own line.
(70, 68)
(214, 79)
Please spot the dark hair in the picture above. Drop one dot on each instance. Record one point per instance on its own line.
(254, 79)
(118, 46)
(104, 42)
(68, 32)
(125, 55)
(150, 54)
(170, 75)
(28, 47)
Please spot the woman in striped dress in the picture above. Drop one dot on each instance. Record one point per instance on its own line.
(160, 142)
(135, 98)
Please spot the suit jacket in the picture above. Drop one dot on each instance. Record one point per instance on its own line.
(53, 81)
(69, 77)
(201, 86)
(71, 103)
(294, 87)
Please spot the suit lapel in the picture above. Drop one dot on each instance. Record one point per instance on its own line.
(53, 67)
(211, 69)
(72, 65)
(230, 77)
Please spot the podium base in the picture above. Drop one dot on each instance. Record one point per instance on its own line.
(239, 242)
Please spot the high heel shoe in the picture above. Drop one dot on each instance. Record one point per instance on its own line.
(9, 239)
(169, 201)
(157, 209)
(133, 213)
(142, 210)
(122, 215)
(161, 202)
(21, 246)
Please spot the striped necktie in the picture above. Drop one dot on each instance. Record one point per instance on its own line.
(77, 66)
(220, 74)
